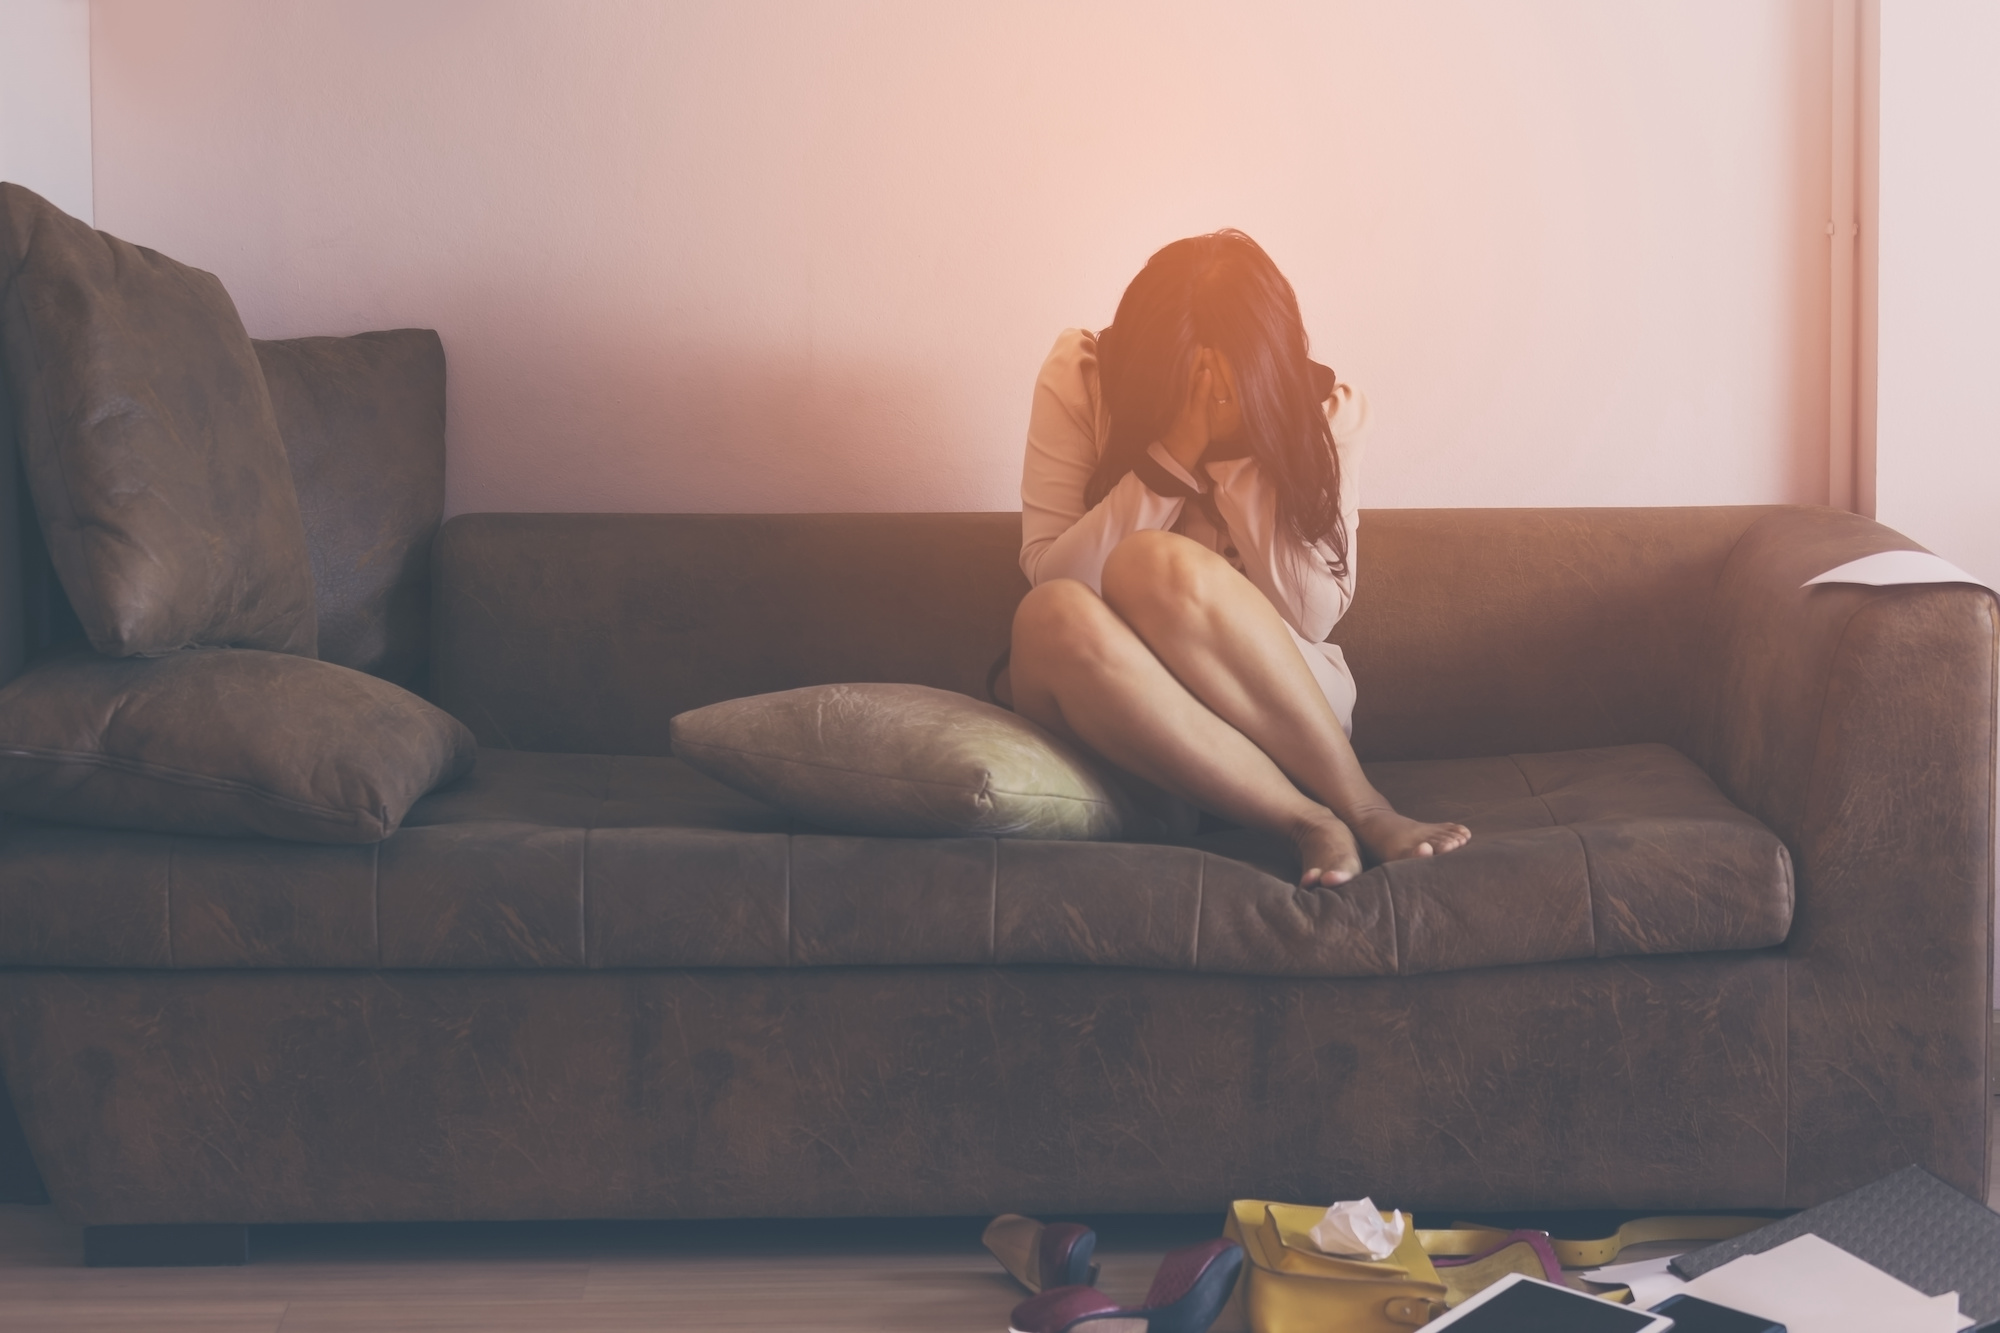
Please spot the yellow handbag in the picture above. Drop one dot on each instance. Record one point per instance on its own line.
(1290, 1286)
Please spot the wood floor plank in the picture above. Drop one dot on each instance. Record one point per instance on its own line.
(417, 1280)
(72, 1316)
(636, 1317)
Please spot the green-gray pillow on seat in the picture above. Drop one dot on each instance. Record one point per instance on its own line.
(911, 761)
(226, 741)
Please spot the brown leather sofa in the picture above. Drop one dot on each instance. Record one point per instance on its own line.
(587, 982)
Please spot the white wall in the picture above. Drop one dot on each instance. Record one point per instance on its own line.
(1937, 424)
(729, 256)
(45, 100)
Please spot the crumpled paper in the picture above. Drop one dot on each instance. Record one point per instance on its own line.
(1356, 1230)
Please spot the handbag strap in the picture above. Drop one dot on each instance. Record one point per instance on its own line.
(1594, 1252)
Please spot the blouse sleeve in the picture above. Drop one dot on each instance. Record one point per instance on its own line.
(1060, 539)
(1299, 580)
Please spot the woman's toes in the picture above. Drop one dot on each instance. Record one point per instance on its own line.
(1327, 852)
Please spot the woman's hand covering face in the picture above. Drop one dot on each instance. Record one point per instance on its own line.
(1211, 411)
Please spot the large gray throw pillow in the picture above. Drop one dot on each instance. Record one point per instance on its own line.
(149, 443)
(223, 741)
(911, 761)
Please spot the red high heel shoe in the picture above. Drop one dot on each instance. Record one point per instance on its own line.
(1187, 1294)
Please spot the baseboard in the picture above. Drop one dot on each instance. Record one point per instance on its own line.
(189, 1246)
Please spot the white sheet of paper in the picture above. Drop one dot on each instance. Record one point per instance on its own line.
(1812, 1286)
(1649, 1280)
(1888, 569)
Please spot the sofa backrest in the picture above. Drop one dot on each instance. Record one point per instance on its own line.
(1497, 631)
(1472, 632)
(363, 424)
(588, 632)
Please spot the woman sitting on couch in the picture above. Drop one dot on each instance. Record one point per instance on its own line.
(1188, 526)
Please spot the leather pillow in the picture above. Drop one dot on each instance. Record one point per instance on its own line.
(912, 761)
(149, 443)
(223, 741)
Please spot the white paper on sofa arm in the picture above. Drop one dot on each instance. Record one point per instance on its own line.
(1357, 1228)
(1811, 1285)
(1889, 569)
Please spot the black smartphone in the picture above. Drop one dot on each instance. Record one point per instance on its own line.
(1692, 1314)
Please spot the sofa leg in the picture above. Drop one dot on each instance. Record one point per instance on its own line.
(191, 1245)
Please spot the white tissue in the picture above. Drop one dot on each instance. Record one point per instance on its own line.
(1355, 1230)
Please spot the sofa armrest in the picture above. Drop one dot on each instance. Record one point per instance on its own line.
(1859, 724)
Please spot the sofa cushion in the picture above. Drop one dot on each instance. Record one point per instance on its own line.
(149, 443)
(224, 741)
(598, 861)
(363, 424)
(916, 762)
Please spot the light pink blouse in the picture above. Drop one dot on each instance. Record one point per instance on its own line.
(1060, 539)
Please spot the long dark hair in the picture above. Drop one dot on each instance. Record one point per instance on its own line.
(1221, 290)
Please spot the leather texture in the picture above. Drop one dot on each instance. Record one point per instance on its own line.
(588, 633)
(225, 742)
(1858, 724)
(149, 442)
(1473, 632)
(1504, 631)
(912, 761)
(13, 543)
(343, 1096)
(681, 1068)
(363, 424)
(588, 861)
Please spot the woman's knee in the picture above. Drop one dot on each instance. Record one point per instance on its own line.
(1060, 619)
(1161, 572)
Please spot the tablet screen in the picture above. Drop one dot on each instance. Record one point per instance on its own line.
(1537, 1307)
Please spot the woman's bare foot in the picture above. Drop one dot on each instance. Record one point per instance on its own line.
(1328, 854)
(1388, 836)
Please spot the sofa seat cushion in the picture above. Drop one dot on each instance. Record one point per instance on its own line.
(595, 861)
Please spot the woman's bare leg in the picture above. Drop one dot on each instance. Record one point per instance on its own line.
(1224, 641)
(1080, 671)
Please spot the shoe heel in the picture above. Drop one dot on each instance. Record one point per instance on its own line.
(1192, 1286)
(1065, 1252)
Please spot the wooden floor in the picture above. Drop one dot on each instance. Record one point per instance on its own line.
(588, 1277)
(884, 1277)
